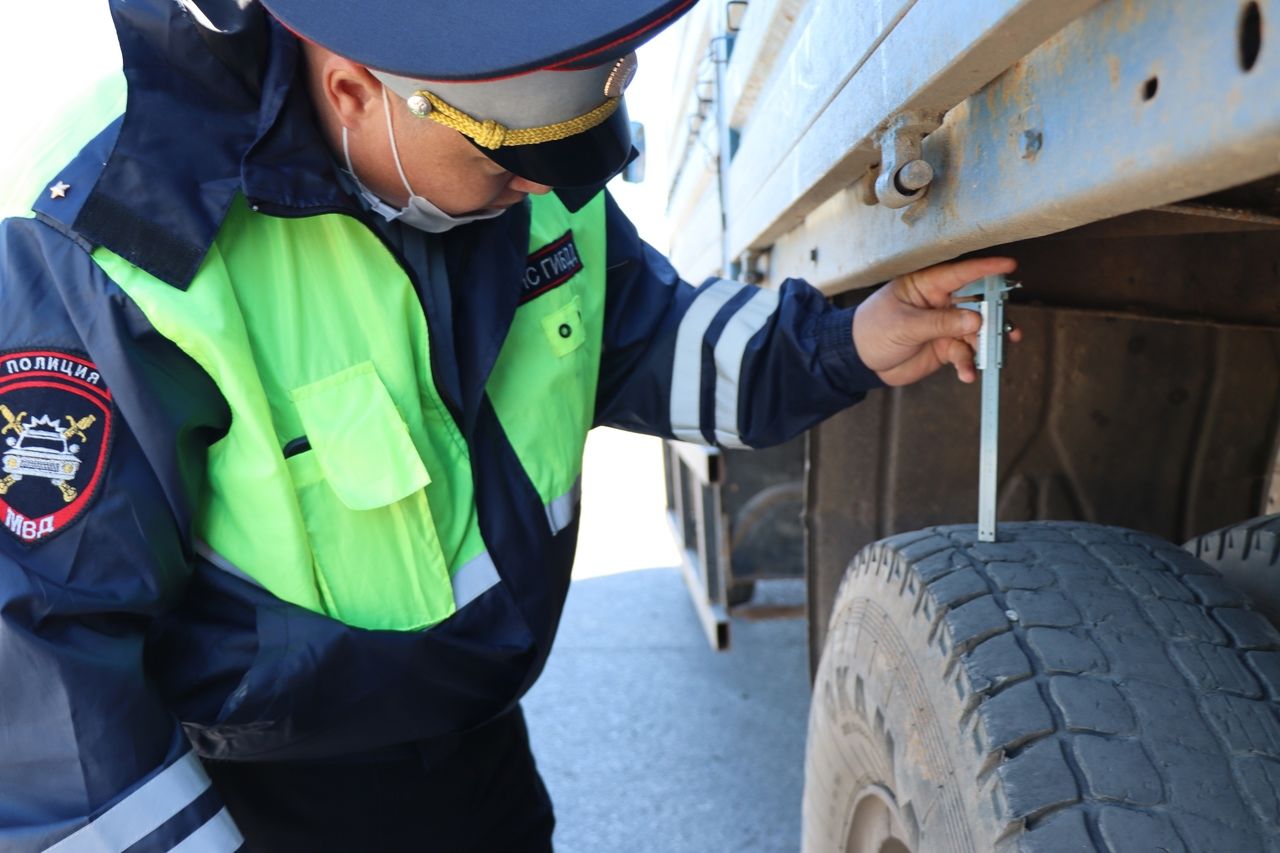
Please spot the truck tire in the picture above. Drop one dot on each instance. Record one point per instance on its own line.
(1071, 687)
(1248, 555)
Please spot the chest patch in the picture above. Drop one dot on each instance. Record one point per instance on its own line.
(55, 433)
(550, 267)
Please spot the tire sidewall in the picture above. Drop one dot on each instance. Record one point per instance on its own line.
(885, 715)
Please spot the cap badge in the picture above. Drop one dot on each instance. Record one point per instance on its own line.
(620, 77)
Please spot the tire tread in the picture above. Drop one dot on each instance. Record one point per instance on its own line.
(1103, 675)
(1248, 555)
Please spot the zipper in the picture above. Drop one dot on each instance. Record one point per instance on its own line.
(451, 405)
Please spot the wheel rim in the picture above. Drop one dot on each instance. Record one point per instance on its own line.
(877, 826)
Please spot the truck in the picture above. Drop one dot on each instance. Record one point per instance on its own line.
(1102, 673)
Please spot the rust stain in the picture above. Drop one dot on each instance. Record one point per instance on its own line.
(1113, 68)
(1126, 15)
(958, 118)
(1013, 81)
(1229, 105)
(1016, 73)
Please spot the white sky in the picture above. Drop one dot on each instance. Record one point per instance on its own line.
(48, 48)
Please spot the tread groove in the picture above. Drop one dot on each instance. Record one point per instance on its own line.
(1096, 706)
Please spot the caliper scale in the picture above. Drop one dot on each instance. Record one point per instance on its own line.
(987, 297)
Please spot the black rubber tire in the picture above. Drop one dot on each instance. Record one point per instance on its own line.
(1071, 687)
(1248, 555)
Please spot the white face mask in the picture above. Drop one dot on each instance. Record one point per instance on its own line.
(419, 213)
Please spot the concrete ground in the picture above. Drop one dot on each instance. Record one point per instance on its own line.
(647, 739)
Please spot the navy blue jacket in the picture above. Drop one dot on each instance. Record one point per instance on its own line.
(121, 649)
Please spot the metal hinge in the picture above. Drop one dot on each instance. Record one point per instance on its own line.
(903, 176)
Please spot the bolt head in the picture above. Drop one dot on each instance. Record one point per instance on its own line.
(915, 176)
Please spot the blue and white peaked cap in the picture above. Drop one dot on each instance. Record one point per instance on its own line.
(537, 85)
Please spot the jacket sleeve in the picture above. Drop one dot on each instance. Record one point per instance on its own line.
(90, 759)
(724, 363)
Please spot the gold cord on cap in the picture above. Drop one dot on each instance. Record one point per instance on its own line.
(492, 135)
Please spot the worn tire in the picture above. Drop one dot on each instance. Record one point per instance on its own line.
(1248, 555)
(1069, 688)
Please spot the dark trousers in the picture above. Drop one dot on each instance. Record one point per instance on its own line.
(477, 792)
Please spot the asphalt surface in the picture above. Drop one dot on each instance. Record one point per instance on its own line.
(647, 739)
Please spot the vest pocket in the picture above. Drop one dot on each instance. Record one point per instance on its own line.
(563, 328)
(361, 487)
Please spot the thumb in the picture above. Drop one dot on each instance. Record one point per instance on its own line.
(932, 323)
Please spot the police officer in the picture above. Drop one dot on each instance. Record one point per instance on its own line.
(306, 316)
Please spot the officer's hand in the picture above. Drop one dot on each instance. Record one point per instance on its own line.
(908, 329)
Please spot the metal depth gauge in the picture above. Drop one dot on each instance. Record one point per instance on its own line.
(987, 297)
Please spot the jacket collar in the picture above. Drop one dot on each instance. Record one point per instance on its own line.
(215, 112)
(215, 107)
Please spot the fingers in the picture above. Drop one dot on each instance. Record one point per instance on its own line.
(928, 359)
(904, 336)
(934, 285)
(960, 356)
(923, 325)
(921, 364)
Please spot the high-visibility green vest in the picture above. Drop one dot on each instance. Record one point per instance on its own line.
(310, 328)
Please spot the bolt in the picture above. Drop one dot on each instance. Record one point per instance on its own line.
(1032, 141)
(914, 176)
(813, 254)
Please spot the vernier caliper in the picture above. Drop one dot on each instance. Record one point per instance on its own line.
(987, 297)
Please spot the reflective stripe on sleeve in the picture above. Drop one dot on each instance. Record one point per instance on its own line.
(562, 510)
(476, 577)
(730, 351)
(686, 365)
(141, 812)
(218, 834)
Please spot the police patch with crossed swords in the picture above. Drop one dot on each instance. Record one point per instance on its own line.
(40, 447)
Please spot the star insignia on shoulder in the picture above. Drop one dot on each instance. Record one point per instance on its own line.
(59, 190)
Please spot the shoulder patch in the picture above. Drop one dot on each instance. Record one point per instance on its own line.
(550, 267)
(56, 423)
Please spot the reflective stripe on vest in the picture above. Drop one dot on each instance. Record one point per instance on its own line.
(310, 328)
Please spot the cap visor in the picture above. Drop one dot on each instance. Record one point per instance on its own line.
(584, 159)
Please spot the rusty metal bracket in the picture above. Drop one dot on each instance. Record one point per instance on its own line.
(904, 176)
